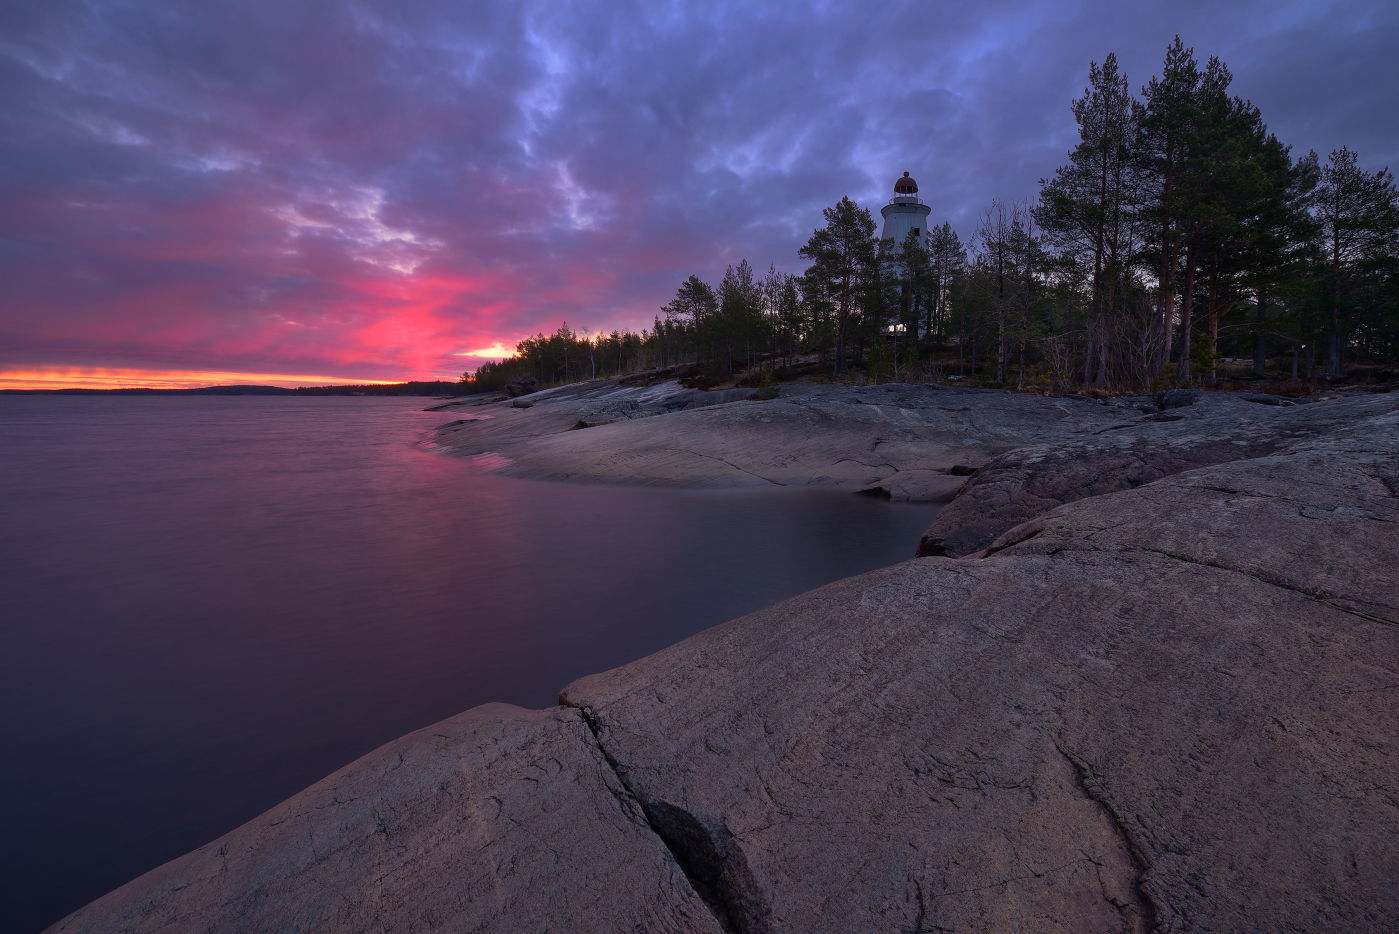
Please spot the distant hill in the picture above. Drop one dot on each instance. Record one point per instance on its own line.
(439, 387)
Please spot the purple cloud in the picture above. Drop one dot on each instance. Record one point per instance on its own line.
(374, 190)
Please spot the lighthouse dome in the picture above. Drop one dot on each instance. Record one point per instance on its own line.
(905, 215)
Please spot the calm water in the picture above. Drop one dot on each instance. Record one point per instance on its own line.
(209, 603)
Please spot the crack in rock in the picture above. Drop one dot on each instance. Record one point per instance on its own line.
(711, 860)
(1144, 914)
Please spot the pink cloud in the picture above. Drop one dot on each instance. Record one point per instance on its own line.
(374, 191)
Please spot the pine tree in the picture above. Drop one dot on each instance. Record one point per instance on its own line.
(740, 319)
(694, 307)
(782, 299)
(1086, 210)
(1359, 217)
(1274, 232)
(947, 259)
(843, 264)
(1164, 120)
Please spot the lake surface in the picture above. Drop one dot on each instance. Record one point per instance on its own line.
(208, 603)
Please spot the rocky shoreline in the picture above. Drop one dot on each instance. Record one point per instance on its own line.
(900, 439)
(1145, 676)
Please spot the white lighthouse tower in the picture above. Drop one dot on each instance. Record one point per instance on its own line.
(906, 213)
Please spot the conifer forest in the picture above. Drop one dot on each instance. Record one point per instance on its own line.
(1181, 243)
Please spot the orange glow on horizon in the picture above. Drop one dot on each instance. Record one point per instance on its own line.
(496, 352)
(111, 378)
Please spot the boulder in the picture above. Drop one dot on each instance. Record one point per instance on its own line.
(917, 486)
(1263, 398)
(1176, 398)
(522, 386)
(592, 422)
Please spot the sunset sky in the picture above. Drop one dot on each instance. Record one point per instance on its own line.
(301, 192)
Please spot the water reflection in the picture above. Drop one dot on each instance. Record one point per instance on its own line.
(212, 602)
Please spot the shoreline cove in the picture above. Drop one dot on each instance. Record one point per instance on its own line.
(212, 603)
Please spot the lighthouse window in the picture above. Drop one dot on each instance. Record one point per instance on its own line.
(916, 232)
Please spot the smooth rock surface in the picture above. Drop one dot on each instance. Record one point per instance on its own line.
(1172, 708)
(498, 819)
(897, 438)
(1217, 427)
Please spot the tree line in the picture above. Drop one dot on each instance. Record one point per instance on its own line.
(1179, 232)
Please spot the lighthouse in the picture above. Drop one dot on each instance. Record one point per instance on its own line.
(905, 213)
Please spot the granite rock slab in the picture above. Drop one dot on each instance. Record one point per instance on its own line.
(1016, 486)
(899, 439)
(1173, 708)
(496, 820)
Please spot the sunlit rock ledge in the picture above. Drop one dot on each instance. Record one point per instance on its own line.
(901, 439)
(912, 443)
(1169, 703)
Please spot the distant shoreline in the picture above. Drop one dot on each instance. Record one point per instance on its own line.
(437, 388)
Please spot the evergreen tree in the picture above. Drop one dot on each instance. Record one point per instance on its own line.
(739, 325)
(693, 308)
(1274, 233)
(947, 261)
(1086, 210)
(914, 265)
(1164, 121)
(694, 302)
(843, 264)
(782, 299)
(1358, 215)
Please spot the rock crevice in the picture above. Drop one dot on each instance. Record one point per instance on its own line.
(1139, 913)
(705, 857)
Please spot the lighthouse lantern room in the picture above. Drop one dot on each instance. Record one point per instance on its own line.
(904, 213)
